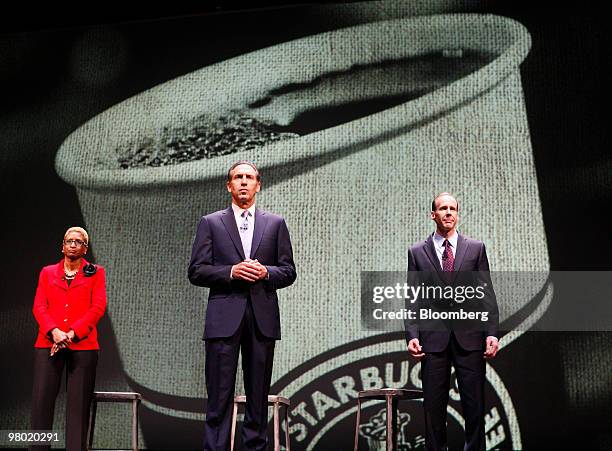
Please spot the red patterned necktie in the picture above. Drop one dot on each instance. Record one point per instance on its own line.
(448, 259)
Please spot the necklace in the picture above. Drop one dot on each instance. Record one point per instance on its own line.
(70, 275)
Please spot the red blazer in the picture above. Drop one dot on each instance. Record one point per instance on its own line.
(78, 307)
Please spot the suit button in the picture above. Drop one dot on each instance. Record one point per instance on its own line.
(65, 320)
(66, 305)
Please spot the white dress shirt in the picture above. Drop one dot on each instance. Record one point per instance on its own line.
(247, 236)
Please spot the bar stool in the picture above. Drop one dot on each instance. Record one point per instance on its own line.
(273, 400)
(391, 396)
(109, 396)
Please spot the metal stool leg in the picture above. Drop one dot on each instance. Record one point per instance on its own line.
(394, 430)
(287, 440)
(92, 424)
(357, 424)
(391, 396)
(122, 397)
(135, 424)
(234, 419)
(276, 427)
(389, 412)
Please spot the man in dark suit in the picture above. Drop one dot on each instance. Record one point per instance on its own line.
(443, 255)
(243, 254)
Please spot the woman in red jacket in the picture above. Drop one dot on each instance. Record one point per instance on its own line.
(69, 302)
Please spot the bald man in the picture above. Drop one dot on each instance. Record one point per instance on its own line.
(444, 254)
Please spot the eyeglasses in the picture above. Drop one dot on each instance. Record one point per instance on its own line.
(77, 243)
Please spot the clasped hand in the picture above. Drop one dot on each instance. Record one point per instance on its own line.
(249, 270)
(60, 339)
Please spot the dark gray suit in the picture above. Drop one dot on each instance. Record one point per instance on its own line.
(443, 346)
(240, 315)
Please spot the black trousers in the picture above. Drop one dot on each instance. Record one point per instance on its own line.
(435, 374)
(81, 377)
(220, 368)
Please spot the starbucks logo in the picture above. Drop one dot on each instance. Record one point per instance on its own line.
(323, 396)
(375, 432)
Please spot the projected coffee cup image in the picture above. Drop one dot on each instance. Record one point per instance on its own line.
(354, 131)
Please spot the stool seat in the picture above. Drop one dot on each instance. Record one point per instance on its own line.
(114, 396)
(383, 393)
(275, 401)
(241, 399)
(391, 396)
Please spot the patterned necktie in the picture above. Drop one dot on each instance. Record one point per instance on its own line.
(245, 223)
(448, 259)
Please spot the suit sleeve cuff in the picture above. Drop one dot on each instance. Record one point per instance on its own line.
(81, 331)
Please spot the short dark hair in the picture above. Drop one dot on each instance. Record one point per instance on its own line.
(433, 202)
(238, 163)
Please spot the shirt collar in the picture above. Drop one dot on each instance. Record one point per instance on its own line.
(238, 211)
(439, 240)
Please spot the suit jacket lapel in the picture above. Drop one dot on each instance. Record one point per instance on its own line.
(460, 254)
(261, 221)
(430, 251)
(229, 221)
(79, 279)
(58, 276)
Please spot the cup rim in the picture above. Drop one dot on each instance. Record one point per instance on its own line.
(78, 158)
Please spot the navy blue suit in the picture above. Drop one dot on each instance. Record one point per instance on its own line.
(463, 348)
(240, 314)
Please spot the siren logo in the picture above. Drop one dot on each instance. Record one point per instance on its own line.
(323, 396)
(375, 432)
